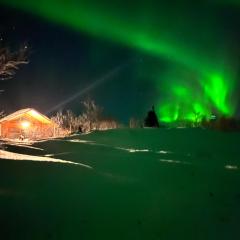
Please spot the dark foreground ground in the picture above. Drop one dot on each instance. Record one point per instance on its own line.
(134, 184)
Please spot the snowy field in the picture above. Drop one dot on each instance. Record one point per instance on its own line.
(123, 184)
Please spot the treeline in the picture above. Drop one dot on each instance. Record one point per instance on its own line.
(90, 119)
(221, 123)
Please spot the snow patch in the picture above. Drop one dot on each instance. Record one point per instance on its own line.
(173, 161)
(28, 146)
(132, 150)
(231, 167)
(25, 157)
(56, 154)
(164, 152)
(79, 141)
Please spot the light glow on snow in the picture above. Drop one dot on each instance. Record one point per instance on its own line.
(56, 154)
(79, 141)
(25, 157)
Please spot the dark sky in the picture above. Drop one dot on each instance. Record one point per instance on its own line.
(187, 40)
(64, 62)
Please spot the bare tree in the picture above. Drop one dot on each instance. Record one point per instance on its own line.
(135, 123)
(91, 116)
(10, 61)
(9, 64)
(90, 119)
(67, 121)
(2, 114)
(108, 124)
(92, 110)
(58, 118)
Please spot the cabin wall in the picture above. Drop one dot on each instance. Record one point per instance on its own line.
(36, 130)
(10, 130)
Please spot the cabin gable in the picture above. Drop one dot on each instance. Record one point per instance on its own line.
(27, 124)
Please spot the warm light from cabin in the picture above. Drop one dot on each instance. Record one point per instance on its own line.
(39, 116)
(34, 113)
(25, 124)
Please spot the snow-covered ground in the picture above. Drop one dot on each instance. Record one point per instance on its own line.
(25, 157)
(123, 184)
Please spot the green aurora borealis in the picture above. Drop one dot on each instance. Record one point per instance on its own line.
(200, 73)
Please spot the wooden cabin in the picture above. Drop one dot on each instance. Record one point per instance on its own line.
(27, 124)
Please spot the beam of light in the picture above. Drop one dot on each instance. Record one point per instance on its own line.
(165, 35)
(108, 76)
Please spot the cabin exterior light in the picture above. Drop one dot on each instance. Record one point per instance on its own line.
(25, 124)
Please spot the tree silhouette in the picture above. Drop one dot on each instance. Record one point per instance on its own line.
(151, 120)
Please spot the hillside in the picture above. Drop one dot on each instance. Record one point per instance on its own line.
(123, 184)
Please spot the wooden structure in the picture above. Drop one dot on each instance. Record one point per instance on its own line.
(27, 124)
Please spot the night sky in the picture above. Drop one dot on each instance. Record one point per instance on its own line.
(127, 55)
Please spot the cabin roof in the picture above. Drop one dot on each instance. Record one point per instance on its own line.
(27, 111)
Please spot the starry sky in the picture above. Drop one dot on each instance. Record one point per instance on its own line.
(181, 57)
